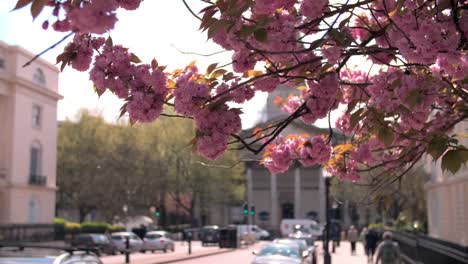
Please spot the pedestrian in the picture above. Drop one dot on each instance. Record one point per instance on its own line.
(371, 239)
(362, 237)
(353, 237)
(388, 251)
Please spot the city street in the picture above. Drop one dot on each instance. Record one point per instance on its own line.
(208, 255)
(181, 251)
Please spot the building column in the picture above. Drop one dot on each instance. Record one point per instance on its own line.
(297, 193)
(274, 202)
(322, 197)
(249, 192)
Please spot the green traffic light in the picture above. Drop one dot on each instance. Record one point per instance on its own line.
(158, 214)
(246, 211)
(252, 213)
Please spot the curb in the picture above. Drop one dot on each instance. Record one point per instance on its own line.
(196, 256)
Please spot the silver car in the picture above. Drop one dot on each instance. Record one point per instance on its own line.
(279, 253)
(119, 239)
(158, 240)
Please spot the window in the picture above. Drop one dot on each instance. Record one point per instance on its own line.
(33, 213)
(35, 161)
(36, 116)
(2, 63)
(39, 77)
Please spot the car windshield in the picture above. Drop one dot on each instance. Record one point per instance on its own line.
(117, 237)
(282, 250)
(153, 236)
(100, 239)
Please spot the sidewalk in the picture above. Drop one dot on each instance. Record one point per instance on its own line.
(342, 254)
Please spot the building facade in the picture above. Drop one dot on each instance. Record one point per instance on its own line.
(297, 193)
(447, 198)
(28, 137)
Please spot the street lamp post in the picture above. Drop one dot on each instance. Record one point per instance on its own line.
(326, 255)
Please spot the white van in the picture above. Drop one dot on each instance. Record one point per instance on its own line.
(254, 231)
(289, 226)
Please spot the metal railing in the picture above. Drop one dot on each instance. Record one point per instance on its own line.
(419, 248)
(27, 232)
(38, 180)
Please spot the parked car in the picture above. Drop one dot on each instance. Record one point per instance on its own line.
(306, 239)
(119, 239)
(209, 235)
(99, 241)
(158, 240)
(15, 254)
(279, 253)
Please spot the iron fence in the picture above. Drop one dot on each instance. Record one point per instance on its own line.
(27, 232)
(419, 248)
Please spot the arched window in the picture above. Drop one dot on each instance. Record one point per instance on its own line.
(39, 77)
(33, 210)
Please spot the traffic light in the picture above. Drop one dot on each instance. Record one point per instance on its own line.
(252, 210)
(157, 213)
(246, 209)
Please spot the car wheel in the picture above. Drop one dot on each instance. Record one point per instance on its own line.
(165, 250)
(173, 248)
(143, 251)
(152, 251)
(122, 252)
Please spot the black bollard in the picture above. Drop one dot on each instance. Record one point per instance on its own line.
(127, 249)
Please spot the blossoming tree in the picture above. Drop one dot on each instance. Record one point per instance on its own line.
(404, 100)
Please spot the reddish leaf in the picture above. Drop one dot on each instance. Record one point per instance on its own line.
(37, 7)
(21, 4)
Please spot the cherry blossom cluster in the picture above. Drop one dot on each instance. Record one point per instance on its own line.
(409, 88)
(88, 16)
(215, 123)
(143, 87)
(280, 156)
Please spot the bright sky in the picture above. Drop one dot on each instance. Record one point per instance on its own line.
(150, 32)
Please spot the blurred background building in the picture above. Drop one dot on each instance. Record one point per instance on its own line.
(447, 198)
(28, 137)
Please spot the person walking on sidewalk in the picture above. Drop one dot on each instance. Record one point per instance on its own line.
(353, 237)
(371, 239)
(388, 251)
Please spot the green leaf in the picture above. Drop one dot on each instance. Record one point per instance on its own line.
(37, 7)
(217, 26)
(339, 37)
(228, 76)
(344, 22)
(246, 31)
(414, 98)
(437, 147)
(211, 68)
(356, 117)
(135, 59)
(385, 135)
(98, 91)
(109, 42)
(154, 64)
(217, 73)
(261, 35)
(453, 160)
(21, 4)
